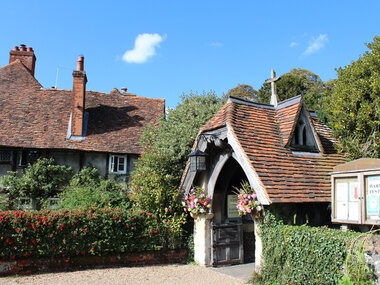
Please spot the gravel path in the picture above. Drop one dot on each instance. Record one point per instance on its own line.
(168, 274)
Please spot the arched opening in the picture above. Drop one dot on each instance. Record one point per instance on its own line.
(304, 136)
(226, 215)
(296, 131)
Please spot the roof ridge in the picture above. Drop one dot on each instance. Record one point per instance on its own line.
(250, 103)
(288, 102)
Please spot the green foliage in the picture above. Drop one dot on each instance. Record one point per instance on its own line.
(87, 189)
(154, 183)
(244, 91)
(356, 268)
(42, 180)
(71, 233)
(298, 81)
(302, 254)
(353, 106)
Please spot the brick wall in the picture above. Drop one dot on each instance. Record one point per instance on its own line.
(28, 266)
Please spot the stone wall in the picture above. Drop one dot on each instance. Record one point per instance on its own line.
(28, 266)
(372, 248)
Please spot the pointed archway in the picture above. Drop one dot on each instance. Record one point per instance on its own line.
(234, 233)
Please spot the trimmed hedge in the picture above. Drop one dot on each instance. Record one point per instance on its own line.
(302, 254)
(70, 233)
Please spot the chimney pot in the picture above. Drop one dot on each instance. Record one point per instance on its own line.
(124, 89)
(26, 56)
(80, 63)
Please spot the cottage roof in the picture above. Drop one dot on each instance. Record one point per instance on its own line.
(264, 133)
(34, 117)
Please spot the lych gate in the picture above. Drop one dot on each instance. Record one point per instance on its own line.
(282, 151)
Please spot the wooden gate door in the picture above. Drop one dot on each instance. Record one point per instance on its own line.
(227, 244)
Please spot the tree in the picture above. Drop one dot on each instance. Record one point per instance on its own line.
(353, 106)
(244, 91)
(158, 171)
(155, 181)
(296, 82)
(41, 181)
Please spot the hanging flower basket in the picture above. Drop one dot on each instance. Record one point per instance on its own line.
(247, 202)
(197, 202)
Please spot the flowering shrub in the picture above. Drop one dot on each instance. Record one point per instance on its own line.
(197, 202)
(247, 202)
(70, 233)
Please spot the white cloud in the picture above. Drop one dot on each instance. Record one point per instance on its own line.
(316, 44)
(216, 44)
(145, 48)
(293, 44)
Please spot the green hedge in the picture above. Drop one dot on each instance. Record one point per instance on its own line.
(70, 233)
(302, 254)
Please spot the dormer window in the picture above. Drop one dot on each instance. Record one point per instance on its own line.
(303, 136)
(300, 137)
(118, 164)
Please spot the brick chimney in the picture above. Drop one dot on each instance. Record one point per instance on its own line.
(79, 91)
(26, 55)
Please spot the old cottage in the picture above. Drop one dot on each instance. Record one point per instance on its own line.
(283, 151)
(76, 127)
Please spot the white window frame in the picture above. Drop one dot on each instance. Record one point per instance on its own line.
(115, 158)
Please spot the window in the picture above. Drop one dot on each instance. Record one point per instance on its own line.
(303, 138)
(5, 156)
(26, 157)
(118, 164)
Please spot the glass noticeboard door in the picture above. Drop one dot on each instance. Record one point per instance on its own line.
(372, 197)
(346, 200)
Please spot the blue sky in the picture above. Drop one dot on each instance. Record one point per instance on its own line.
(161, 49)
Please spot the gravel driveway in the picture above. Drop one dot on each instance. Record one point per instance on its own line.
(163, 274)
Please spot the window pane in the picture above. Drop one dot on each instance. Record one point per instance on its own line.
(121, 164)
(347, 199)
(5, 155)
(372, 185)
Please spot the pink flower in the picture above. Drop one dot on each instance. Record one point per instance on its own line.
(254, 196)
(245, 195)
(249, 210)
(202, 195)
(185, 209)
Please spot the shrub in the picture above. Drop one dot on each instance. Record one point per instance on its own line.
(302, 254)
(87, 189)
(40, 181)
(69, 233)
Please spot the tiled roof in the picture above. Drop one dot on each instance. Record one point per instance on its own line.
(261, 131)
(32, 117)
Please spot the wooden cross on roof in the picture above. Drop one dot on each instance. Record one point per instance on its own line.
(274, 97)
